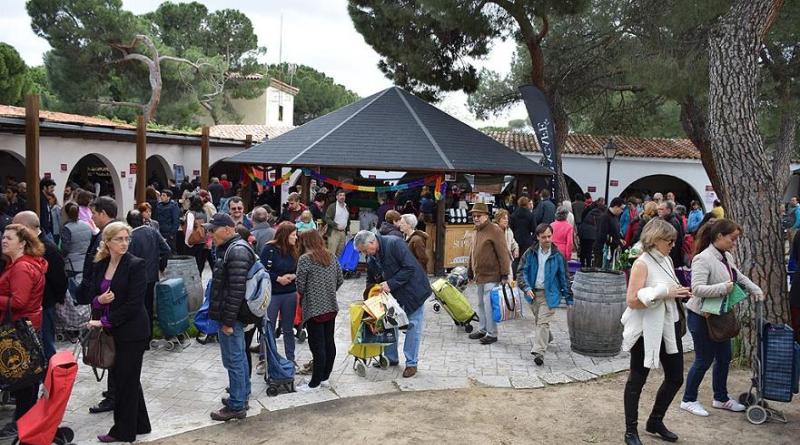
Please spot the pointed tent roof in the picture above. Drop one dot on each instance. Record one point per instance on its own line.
(390, 130)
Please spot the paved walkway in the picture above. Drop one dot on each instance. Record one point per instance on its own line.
(181, 389)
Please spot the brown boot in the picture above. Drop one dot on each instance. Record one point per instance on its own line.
(410, 371)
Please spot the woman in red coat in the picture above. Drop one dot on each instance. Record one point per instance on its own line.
(25, 269)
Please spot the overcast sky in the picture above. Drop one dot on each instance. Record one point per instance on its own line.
(318, 33)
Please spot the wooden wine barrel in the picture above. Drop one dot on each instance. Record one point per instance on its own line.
(594, 322)
(184, 266)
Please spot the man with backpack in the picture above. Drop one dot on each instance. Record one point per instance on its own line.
(228, 307)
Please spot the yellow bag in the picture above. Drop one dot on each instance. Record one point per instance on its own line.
(360, 351)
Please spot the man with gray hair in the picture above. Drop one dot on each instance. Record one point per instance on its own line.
(55, 281)
(392, 266)
(262, 230)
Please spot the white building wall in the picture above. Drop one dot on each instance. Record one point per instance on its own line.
(590, 171)
(117, 157)
(275, 99)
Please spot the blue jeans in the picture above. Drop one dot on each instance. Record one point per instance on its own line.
(286, 305)
(49, 332)
(487, 323)
(706, 352)
(235, 362)
(411, 345)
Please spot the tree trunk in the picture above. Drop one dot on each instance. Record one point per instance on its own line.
(694, 122)
(738, 155)
(784, 146)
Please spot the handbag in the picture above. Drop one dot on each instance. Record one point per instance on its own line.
(722, 327)
(22, 360)
(98, 351)
(506, 303)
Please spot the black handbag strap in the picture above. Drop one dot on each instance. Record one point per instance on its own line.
(511, 306)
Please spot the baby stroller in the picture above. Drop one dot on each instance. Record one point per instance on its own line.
(39, 426)
(348, 260)
(280, 371)
(364, 353)
(775, 370)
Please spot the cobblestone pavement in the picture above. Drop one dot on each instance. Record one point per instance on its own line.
(182, 388)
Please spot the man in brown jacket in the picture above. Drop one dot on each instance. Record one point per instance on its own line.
(489, 264)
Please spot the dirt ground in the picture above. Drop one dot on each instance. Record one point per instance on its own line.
(577, 413)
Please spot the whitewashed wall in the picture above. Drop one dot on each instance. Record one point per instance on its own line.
(117, 157)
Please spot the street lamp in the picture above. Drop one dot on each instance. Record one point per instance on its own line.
(609, 151)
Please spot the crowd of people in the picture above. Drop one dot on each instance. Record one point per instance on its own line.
(87, 252)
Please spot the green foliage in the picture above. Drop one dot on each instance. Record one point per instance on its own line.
(319, 94)
(428, 46)
(15, 81)
(84, 70)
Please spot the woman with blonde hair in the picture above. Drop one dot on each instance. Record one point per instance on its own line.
(22, 288)
(118, 306)
(653, 326)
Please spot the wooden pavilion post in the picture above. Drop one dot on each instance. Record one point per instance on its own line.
(32, 151)
(141, 159)
(439, 248)
(204, 178)
(305, 183)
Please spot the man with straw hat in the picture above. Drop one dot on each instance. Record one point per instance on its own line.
(489, 264)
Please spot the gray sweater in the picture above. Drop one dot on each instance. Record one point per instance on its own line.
(318, 285)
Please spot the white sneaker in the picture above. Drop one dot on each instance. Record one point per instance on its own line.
(695, 408)
(325, 384)
(303, 387)
(730, 405)
(261, 368)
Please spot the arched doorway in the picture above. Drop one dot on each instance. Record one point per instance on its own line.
(684, 193)
(95, 173)
(572, 187)
(12, 168)
(158, 170)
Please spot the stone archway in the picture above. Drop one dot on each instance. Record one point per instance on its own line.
(12, 167)
(158, 170)
(684, 192)
(94, 172)
(572, 187)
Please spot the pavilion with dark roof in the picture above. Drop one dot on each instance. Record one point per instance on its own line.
(394, 130)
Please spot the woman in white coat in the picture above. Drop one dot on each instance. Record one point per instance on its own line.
(653, 329)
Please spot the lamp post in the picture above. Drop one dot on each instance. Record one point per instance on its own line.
(609, 151)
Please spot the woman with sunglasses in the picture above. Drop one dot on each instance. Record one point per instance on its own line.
(653, 329)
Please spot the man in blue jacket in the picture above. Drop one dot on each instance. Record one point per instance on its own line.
(542, 276)
(391, 265)
(168, 216)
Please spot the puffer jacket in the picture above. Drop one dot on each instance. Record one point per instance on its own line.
(22, 283)
(229, 280)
